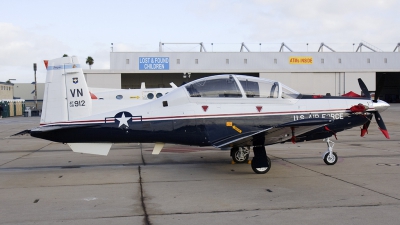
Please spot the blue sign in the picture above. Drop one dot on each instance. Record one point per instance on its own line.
(153, 63)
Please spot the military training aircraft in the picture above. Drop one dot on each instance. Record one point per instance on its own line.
(228, 111)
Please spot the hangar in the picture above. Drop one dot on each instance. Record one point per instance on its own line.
(319, 72)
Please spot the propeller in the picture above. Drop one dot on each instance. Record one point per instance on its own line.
(377, 115)
(364, 88)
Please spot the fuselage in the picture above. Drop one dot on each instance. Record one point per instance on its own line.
(185, 116)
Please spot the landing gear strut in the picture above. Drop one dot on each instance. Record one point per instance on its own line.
(330, 157)
(240, 154)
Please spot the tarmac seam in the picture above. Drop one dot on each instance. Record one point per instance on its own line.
(146, 220)
(274, 209)
(348, 182)
(78, 185)
(25, 155)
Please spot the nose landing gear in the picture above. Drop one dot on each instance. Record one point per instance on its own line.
(330, 157)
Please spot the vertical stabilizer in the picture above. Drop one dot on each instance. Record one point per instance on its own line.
(66, 95)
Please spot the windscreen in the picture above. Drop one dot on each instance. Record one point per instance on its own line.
(214, 88)
(257, 88)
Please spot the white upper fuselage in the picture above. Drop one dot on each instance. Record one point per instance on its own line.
(181, 104)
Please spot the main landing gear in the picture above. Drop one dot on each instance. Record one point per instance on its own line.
(261, 163)
(240, 154)
(330, 157)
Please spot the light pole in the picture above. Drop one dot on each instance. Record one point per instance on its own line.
(34, 69)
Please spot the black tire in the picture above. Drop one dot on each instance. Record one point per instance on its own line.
(330, 161)
(263, 170)
(236, 156)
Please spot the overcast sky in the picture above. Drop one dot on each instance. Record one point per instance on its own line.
(31, 31)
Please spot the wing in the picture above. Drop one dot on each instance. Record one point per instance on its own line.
(276, 134)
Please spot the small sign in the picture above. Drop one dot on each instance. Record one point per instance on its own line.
(153, 63)
(300, 60)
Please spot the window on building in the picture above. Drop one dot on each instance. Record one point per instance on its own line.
(196, 61)
(178, 61)
(322, 60)
(227, 61)
(385, 60)
(275, 61)
(245, 61)
(127, 61)
(368, 60)
(340, 60)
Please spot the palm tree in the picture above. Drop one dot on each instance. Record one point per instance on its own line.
(65, 55)
(89, 61)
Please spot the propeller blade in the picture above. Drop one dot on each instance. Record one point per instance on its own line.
(364, 130)
(381, 124)
(379, 87)
(364, 88)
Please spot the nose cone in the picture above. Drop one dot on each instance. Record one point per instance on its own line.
(381, 106)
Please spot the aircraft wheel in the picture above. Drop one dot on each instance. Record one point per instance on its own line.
(261, 170)
(240, 155)
(330, 160)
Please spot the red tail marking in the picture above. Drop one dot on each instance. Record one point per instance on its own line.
(93, 96)
(385, 132)
(259, 108)
(46, 63)
(317, 96)
(205, 107)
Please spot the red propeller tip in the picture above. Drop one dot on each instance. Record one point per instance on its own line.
(363, 132)
(385, 132)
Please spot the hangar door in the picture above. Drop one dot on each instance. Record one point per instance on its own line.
(162, 80)
(391, 86)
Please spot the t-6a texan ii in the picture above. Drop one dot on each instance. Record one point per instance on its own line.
(225, 111)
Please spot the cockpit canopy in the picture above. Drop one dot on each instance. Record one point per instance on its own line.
(239, 86)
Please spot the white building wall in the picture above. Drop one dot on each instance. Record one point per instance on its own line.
(260, 62)
(322, 83)
(104, 80)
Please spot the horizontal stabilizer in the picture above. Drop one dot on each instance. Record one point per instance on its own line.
(22, 133)
(91, 148)
(52, 128)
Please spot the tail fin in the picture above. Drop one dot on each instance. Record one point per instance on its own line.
(66, 95)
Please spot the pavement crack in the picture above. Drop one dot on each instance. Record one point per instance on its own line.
(141, 153)
(146, 220)
(336, 178)
(25, 155)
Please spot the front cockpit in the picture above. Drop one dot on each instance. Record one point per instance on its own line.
(239, 86)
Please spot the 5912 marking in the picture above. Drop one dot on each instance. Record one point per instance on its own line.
(77, 103)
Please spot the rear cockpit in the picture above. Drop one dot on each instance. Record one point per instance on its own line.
(239, 86)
